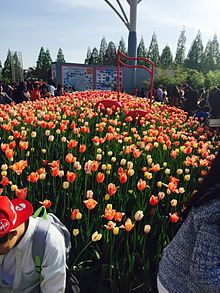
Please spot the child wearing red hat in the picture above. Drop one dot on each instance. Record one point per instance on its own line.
(17, 268)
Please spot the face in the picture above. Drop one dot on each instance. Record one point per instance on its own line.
(8, 242)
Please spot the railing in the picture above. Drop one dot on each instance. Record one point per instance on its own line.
(149, 70)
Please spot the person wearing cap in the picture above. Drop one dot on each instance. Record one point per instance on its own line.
(17, 268)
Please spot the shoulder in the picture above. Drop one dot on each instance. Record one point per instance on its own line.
(210, 211)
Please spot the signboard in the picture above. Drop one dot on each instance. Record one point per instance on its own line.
(79, 77)
(106, 78)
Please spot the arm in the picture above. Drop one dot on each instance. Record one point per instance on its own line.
(204, 266)
(54, 263)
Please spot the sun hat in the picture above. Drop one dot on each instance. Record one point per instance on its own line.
(13, 213)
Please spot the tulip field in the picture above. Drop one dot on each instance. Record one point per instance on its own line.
(118, 183)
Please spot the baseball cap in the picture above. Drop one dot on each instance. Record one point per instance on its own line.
(13, 213)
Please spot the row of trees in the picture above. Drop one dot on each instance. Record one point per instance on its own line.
(42, 70)
(199, 57)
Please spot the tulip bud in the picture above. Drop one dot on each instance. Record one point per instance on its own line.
(4, 167)
(187, 177)
(181, 190)
(167, 171)
(47, 132)
(107, 196)
(51, 138)
(96, 236)
(4, 173)
(173, 203)
(42, 176)
(115, 230)
(147, 229)
(75, 232)
(13, 187)
(66, 185)
(138, 215)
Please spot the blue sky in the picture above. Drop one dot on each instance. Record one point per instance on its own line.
(73, 25)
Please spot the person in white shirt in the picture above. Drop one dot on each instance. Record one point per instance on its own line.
(17, 268)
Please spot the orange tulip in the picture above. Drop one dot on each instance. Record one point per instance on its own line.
(70, 158)
(74, 214)
(82, 148)
(112, 189)
(100, 177)
(128, 226)
(33, 177)
(153, 200)
(54, 164)
(90, 203)
(72, 144)
(70, 176)
(46, 203)
(94, 166)
(174, 217)
(5, 181)
(9, 153)
(141, 185)
(123, 178)
(23, 145)
(55, 171)
(21, 193)
(12, 144)
(18, 167)
(118, 216)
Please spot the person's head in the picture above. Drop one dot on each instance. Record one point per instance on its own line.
(14, 215)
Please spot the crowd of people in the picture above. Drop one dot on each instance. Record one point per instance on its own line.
(30, 91)
(198, 103)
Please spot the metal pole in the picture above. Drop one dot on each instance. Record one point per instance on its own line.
(132, 39)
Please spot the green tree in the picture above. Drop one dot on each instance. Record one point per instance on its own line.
(6, 71)
(195, 56)
(30, 73)
(43, 64)
(88, 55)
(141, 52)
(216, 52)
(16, 67)
(211, 58)
(110, 57)
(166, 58)
(102, 51)
(212, 79)
(195, 78)
(122, 46)
(181, 49)
(60, 56)
(153, 52)
(94, 57)
(0, 70)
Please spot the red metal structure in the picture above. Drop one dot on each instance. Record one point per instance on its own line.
(150, 71)
(113, 104)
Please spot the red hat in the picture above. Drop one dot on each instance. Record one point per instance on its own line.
(13, 213)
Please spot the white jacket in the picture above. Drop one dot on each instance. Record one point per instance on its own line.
(26, 279)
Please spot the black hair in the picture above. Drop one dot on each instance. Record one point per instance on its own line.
(4, 239)
(202, 196)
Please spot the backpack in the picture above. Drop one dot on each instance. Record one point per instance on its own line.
(39, 244)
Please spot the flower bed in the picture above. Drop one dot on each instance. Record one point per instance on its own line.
(119, 184)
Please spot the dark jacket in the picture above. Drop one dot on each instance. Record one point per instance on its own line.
(190, 263)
